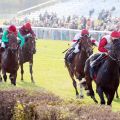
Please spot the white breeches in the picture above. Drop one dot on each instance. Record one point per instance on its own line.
(76, 50)
(3, 44)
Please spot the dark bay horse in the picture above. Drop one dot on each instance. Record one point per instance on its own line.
(26, 55)
(76, 69)
(9, 60)
(107, 76)
(0, 64)
(0, 53)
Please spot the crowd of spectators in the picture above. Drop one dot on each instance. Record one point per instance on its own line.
(104, 21)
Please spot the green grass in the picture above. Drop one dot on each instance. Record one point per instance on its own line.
(50, 73)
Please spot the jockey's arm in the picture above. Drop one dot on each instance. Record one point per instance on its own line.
(102, 45)
(4, 37)
(21, 39)
(32, 33)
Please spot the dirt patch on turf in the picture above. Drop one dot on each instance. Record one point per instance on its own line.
(20, 104)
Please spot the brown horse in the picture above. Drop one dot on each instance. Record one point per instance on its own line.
(26, 55)
(1, 33)
(76, 69)
(107, 75)
(9, 60)
(0, 64)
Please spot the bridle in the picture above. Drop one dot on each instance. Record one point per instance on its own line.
(114, 54)
(89, 46)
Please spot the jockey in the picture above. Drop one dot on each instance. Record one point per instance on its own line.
(75, 44)
(26, 30)
(104, 46)
(11, 29)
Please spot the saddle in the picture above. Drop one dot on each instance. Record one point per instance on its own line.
(99, 60)
(68, 52)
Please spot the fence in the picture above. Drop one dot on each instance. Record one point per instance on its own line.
(62, 33)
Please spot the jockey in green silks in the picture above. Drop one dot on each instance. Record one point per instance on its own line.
(11, 29)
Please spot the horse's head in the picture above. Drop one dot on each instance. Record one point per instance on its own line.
(12, 42)
(115, 50)
(86, 45)
(30, 43)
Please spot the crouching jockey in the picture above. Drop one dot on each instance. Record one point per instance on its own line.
(25, 31)
(11, 29)
(104, 47)
(75, 44)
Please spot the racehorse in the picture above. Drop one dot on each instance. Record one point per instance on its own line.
(9, 60)
(26, 55)
(0, 57)
(0, 64)
(76, 69)
(107, 74)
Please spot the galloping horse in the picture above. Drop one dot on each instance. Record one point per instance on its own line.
(107, 76)
(9, 60)
(76, 69)
(26, 55)
(0, 64)
(0, 57)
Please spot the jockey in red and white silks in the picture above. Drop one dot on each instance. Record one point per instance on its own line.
(75, 41)
(75, 44)
(104, 46)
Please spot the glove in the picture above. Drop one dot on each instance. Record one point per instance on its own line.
(19, 42)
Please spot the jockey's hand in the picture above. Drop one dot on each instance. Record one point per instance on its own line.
(19, 42)
(108, 52)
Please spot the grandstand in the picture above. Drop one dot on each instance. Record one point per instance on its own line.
(8, 8)
(78, 7)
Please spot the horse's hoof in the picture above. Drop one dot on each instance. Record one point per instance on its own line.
(14, 84)
(77, 96)
(96, 101)
(81, 96)
(88, 93)
(33, 81)
(117, 97)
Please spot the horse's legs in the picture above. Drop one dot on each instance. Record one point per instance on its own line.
(0, 77)
(5, 77)
(13, 78)
(89, 88)
(110, 98)
(31, 71)
(22, 72)
(75, 86)
(72, 77)
(100, 93)
(117, 96)
(0, 74)
(81, 87)
(74, 83)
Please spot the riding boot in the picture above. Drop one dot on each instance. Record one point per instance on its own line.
(97, 61)
(71, 57)
(94, 63)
